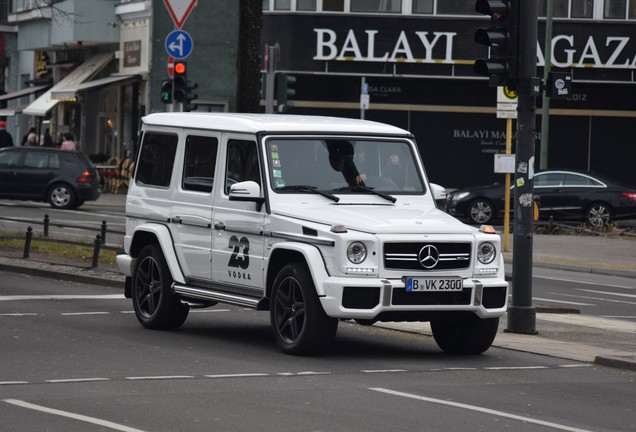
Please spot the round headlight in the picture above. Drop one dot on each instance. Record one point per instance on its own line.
(486, 253)
(357, 252)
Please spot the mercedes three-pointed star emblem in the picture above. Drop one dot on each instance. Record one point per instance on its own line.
(428, 256)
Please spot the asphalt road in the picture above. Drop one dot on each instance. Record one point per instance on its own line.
(74, 358)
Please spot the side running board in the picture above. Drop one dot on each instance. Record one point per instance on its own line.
(221, 297)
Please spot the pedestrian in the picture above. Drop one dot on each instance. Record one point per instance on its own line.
(32, 140)
(47, 140)
(5, 137)
(26, 136)
(68, 143)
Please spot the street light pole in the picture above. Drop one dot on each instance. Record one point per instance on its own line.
(545, 104)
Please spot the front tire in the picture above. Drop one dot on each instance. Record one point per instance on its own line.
(481, 211)
(155, 305)
(299, 323)
(465, 333)
(61, 196)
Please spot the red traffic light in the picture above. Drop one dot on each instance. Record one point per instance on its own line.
(179, 68)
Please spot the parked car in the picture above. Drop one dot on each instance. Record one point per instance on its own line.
(561, 194)
(63, 178)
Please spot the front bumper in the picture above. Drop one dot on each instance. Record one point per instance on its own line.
(388, 300)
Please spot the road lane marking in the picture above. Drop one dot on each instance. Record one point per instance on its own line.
(76, 380)
(505, 368)
(383, 370)
(160, 377)
(62, 297)
(12, 382)
(480, 409)
(84, 313)
(67, 414)
(562, 301)
(608, 293)
(598, 298)
(245, 375)
(583, 282)
(19, 314)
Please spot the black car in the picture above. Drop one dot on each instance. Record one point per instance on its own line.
(561, 194)
(63, 178)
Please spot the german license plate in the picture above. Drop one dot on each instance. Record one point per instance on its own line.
(433, 284)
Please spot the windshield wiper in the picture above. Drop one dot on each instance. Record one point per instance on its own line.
(366, 189)
(306, 188)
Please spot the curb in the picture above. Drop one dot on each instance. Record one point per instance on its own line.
(619, 362)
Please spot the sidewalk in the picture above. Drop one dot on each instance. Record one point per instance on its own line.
(568, 336)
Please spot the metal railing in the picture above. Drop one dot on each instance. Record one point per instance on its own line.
(98, 244)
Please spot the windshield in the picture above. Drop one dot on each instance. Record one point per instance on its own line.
(342, 165)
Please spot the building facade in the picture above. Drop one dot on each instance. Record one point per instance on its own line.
(416, 59)
(95, 67)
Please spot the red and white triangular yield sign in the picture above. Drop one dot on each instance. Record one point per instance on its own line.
(179, 10)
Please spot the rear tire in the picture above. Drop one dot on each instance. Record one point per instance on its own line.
(299, 323)
(465, 333)
(481, 211)
(61, 196)
(155, 305)
(598, 215)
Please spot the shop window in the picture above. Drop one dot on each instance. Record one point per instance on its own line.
(422, 6)
(632, 9)
(306, 5)
(614, 9)
(333, 5)
(394, 6)
(456, 7)
(582, 8)
(282, 4)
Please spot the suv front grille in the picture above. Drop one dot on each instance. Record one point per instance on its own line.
(425, 256)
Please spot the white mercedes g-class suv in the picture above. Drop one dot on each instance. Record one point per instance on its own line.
(315, 219)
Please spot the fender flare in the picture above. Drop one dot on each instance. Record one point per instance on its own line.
(313, 259)
(164, 239)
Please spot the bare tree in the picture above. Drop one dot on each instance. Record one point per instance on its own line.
(248, 61)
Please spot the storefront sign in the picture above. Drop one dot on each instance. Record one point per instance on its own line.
(132, 53)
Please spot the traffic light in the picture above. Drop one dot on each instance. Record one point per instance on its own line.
(284, 90)
(501, 39)
(166, 91)
(182, 88)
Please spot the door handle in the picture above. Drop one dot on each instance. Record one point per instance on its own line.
(176, 219)
(219, 226)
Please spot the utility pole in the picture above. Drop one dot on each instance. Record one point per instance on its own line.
(521, 313)
(272, 60)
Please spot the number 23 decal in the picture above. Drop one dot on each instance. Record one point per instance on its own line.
(239, 258)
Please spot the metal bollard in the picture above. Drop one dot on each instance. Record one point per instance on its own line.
(103, 232)
(27, 242)
(96, 249)
(46, 225)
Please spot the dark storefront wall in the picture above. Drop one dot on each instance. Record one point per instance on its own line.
(453, 118)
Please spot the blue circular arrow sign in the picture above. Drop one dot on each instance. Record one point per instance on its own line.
(179, 44)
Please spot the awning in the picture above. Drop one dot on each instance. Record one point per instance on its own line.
(90, 67)
(113, 79)
(25, 91)
(11, 111)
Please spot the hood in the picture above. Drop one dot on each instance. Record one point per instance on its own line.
(378, 219)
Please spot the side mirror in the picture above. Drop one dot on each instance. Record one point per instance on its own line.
(246, 191)
(439, 193)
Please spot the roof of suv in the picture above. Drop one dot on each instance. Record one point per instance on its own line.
(255, 123)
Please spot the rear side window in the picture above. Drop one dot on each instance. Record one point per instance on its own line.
(200, 160)
(156, 159)
(41, 160)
